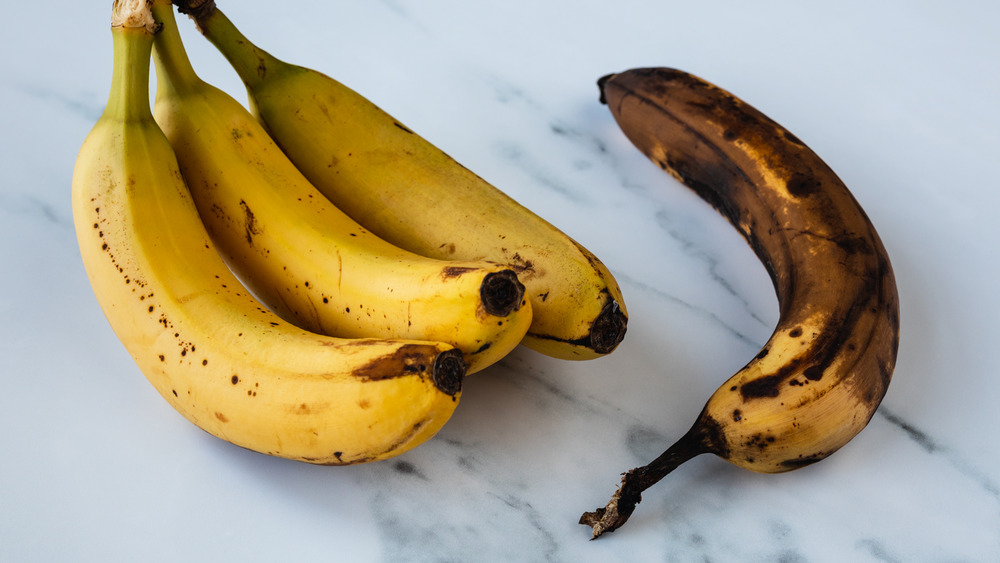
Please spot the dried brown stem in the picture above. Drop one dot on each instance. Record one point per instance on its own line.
(197, 9)
(702, 438)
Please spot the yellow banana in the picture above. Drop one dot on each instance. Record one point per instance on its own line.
(822, 374)
(302, 256)
(210, 349)
(412, 194)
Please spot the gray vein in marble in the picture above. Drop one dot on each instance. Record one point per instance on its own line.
(932, 447)
(22, 204)
(404, 14)
(644, 442)
(538, 171)
(681, 511)
(876, 549)
(640, 286)
(523, 374)
(918, 436)
(396, 8)
(82, 105)
(591, 142)
(407, 468)
(465, 460)
(400, 509)
(535, 519)
(596, 146)
(506, 93)
(692, 249)
(789, 556)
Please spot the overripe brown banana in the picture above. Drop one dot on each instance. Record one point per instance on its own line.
(820, 377)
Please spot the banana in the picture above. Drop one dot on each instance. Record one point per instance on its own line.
(301, 255)
(412, 194)
(213, 352)
(820, 377)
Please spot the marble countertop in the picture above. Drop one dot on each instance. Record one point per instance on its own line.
(898, 97)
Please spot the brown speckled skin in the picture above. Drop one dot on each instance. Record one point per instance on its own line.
(824, 371)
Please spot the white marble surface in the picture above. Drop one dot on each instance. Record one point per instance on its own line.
(898, 97)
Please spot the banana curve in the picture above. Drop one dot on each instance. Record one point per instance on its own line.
(409, 192)
(818, 380)
(214, 353)
(300, 254)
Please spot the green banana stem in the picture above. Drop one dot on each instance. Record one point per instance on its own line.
(129, 97)
(173, 68)
(251, 63)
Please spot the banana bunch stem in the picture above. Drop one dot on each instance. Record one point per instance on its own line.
(171, 61)
(251, 62)
(132, 43)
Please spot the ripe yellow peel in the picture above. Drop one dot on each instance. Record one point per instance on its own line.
(217, 355)
(409, 192)
(302, 256)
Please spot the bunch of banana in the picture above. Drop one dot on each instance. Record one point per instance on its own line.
(823, 372)
(409, 192)
(303, 257)
(217, 355)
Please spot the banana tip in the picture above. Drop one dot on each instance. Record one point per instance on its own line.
(608, 329)
(600, 84)
(449, 371)
(501, 293)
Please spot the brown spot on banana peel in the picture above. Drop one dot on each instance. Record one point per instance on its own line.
(829, 269)
(447, 372)
(730, 187)
(803, 460)
(523, 268)
(451, 271)
(251, 227)
(447, 369)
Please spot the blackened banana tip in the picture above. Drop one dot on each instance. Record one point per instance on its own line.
(449, 372)
(608, 329)
(600, 84)
(501, 293)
